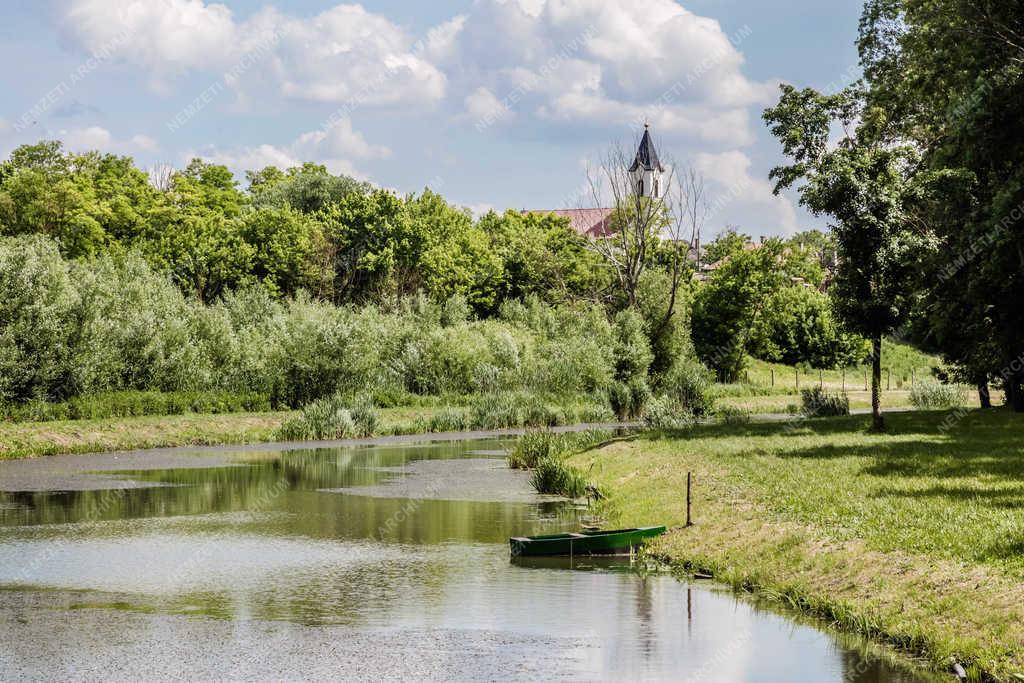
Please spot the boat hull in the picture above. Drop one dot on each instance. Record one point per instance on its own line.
(617, 542)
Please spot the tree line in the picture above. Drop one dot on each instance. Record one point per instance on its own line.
(924, 185)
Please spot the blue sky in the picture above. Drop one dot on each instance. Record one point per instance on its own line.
(495, 103)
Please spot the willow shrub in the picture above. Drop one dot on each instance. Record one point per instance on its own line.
(81, 328)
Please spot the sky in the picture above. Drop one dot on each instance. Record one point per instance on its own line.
(493, 103)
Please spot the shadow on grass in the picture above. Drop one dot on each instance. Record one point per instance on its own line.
(1008, 497)
(929, 444)
(942, 444)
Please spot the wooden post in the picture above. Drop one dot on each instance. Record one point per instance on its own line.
(888, 379)
(797, 370)
(844, 380)
(773, 377)
(865, 380)
(821, 378)
(689, 498)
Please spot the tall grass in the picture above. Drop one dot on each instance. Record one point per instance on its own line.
(932, 395)
(544, 453)
(331, 418)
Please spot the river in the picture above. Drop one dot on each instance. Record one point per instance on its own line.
(386, 562)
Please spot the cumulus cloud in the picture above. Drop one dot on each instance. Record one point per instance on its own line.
(485, 108)
(609, 63)
(97, 138)
(341, 54)
(744, 197)
(335, 148)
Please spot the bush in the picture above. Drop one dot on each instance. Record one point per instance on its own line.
(691, 385)
(666, 413)
(531, 448)
(816, 402)
(592, 414)
(136, 404)
(326, 418)
(932, 395)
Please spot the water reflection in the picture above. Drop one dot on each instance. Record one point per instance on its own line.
(295, 542)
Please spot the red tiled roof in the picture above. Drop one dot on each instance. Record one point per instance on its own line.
(593, 223)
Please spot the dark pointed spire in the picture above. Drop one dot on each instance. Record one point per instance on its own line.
(646, 155)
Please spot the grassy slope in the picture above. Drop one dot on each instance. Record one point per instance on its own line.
(30, 439)
(915, 536)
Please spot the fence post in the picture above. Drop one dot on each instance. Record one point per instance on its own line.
(821, 378)
(797, 370)
(844, 380)
(773, 377)
(689, 484)
(888, 379)
(865, 380)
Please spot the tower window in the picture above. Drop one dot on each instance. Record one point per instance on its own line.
(657, 187)
(640, 188)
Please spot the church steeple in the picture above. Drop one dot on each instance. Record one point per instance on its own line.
(647, 169)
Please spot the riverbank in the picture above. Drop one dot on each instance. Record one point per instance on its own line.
(914, 537)
(34, 439)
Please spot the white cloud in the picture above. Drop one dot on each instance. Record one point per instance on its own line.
(344, 53)
(743, 196)
(96, 138)
(610, 63)
(334, 148)
(484, 107)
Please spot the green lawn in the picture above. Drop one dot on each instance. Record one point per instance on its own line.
(915, 536)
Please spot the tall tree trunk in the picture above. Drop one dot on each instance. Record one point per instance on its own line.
(877, 423)
(984, 396)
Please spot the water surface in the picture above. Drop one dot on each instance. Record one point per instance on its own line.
(373, 563)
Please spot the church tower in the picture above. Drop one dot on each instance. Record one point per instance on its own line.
(646, 170)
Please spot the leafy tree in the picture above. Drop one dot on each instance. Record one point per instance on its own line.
(206, 255)
(288, 251)
(456, 256)
(208, 188)
(308, 188)
(798, 326)
(542, 255)
(864, 184)
(950, 74)
(728, 243)
(43, 193)
(727, 307)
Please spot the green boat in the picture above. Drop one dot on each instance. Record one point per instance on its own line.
(619, 541)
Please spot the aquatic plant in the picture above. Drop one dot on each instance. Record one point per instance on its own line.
(553, 476)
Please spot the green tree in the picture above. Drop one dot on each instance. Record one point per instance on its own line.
(798, 326)
(864, 184)
(288, 251)
(949, 72)
(308, 188)
(727, 307)
(727, 243)
(542, 255)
